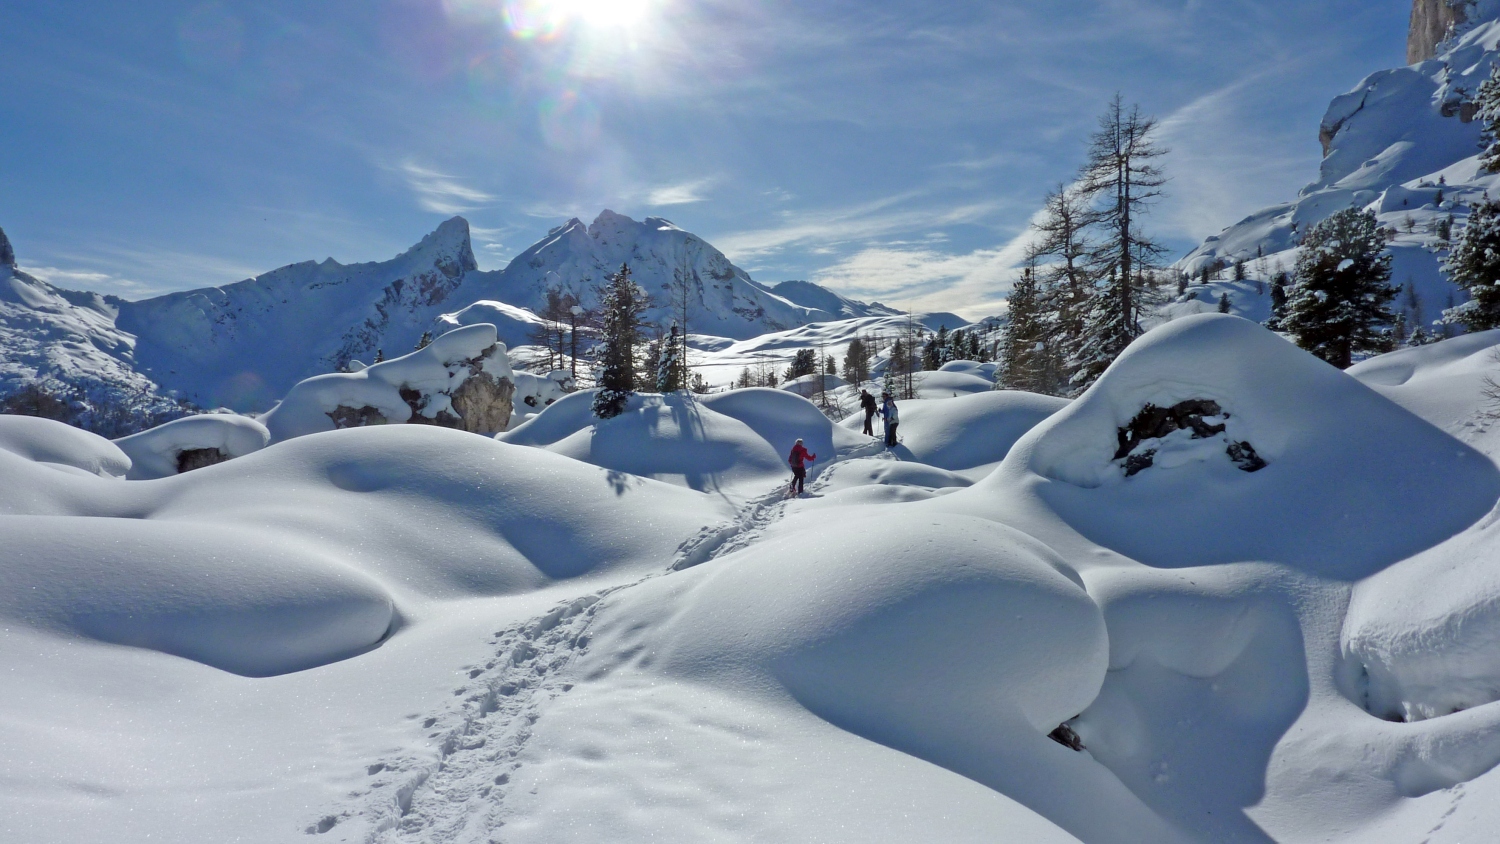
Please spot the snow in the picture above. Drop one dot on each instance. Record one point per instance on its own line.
(61, 446)
(153, 453)
(733, 443)
(435, 372)
(407, 633)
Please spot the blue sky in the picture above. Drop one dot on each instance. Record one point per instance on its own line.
(891, 149)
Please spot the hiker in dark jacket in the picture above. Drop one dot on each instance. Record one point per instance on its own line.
(867, 403)
(891, 417)
(799, 459)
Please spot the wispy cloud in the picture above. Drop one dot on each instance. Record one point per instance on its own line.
(683, 194)
(442, 193)
(826, 228)
(90, 280)
(972, 284)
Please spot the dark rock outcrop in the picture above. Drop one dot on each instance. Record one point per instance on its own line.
(1154, 423)
(197, 458)
(7, 254)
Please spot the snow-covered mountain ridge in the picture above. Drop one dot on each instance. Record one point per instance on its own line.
(244, 344)
(1404, 144)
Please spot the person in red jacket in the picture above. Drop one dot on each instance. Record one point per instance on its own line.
(799, 460)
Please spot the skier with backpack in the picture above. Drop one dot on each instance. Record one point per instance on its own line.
(799, 459)
(867, 403)
(891, 418)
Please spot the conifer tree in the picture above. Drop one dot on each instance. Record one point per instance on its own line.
(1339, 301)
(1023, 353)
(1278, 302)
(1474, 265)
(621, 304)
(669, 368)
(1223, 303)
(425, 341)
(1064, 278)
(1121, 179)
(1487, 112)
(804, 362)
(857, 362)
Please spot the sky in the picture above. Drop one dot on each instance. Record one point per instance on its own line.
(893, 150)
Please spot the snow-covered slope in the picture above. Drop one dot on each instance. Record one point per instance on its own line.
(830, 304)
(69, 343)
(1403, 143)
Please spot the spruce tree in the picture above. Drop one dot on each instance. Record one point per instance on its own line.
(1023, 352)
(1339, 301)
(1121, 179)
(669, 368)
(804, 362)
(1487, 112)
(857, 362)
(1278, 302)
(1474, 265)
(1223, 303)
(621, 304)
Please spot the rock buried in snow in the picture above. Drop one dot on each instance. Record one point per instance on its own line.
(1203, 418)
(462, 380)
(198, 458)
(192, 442)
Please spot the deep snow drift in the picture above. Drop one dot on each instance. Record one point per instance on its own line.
(623, 630)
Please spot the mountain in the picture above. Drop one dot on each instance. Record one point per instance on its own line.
(723, 300)
(1404, 144)
(68, 343)
(820, 298)
(244, 344)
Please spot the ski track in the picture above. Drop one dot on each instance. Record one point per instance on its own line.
(459, 796)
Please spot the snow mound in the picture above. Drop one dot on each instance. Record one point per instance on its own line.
(1343, 498)
(233, 599)
(61, 446)
(1458, 356)
(943, 384)
(461, 380)
(299, 555)
(1424, 635)
(970, 367)
(192, 442)
(808, 386)
(993, 639)
(969, 431)
(727, 442)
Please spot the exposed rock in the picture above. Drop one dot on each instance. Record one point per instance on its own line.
(1065, 736)
(1154, 423)
(197, 458)
(484, 401)
(1431, 23)
(7, 254)
(356, 417)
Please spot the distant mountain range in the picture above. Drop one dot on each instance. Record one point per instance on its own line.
(244, 344)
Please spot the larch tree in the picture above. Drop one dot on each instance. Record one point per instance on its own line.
(1121, 180)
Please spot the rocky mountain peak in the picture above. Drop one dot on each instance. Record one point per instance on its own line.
(7, 254)
(448, 241)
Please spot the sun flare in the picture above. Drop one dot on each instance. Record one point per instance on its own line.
(547, 18)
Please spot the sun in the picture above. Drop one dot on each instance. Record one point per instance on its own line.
(606, 14)
(544, 19)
